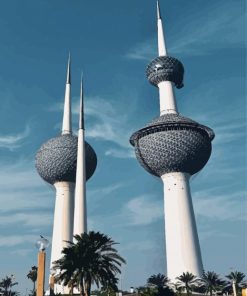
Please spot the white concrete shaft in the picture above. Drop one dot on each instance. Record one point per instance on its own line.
(182, 244)
(63, 223)
(167, 98)
(161, 39)
(80, 213)
(66, 127)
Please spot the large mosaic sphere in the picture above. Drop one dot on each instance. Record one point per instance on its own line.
(173, 143)
(56, 159)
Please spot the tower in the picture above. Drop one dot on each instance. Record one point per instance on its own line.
(174, 147)
(56, 163)
(80, 213)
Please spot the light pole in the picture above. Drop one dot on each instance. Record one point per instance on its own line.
(41, 244)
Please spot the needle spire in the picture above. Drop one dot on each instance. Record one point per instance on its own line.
(161, 38)
(66, 128)
(81, 119)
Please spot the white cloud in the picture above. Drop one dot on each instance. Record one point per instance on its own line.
(199, 35)
(12, 142)
(15, 240)
(22, 188)
(229, 131)
(33, 219)
(142, 210)
(106, 123)
(121, 153)
(228, 206)
(138, 246)
(21, 252)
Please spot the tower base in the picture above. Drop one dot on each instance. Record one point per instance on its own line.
(182, 244)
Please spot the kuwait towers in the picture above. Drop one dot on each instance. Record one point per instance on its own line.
(173, 148)
(66, 162)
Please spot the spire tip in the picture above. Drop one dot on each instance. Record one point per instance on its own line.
(81, 122)
(68, 80)
(158, 10)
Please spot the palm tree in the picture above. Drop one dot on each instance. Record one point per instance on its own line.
(92, 259)
(6, 284)
(158, 280)
(32, 275)
(212, 282)
(238, 277)
(187, 280)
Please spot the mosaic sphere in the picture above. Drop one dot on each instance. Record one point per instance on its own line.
(173, 143)
(165, 68)
(56, 159)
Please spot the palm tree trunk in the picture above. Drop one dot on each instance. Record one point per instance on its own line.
(82, 290)
(88, 287)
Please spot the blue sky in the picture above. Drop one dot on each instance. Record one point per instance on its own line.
(113, 41)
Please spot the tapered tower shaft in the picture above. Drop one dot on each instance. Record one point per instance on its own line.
(182, 243)
(80, 213)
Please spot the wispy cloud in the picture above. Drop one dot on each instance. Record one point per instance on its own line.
(106, 123)
(24, 189)
(15, 240)
(13, 141)
(199, 35)
(21, 252)
(27, 219)
(228, 206)
(138, 246)
(142, 210)
(120, 153)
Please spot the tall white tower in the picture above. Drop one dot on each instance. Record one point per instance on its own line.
(56, 163)
(173, 148)
(80, 213)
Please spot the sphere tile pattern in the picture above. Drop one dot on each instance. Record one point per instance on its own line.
(165, 68)
(173, 143)
(56, 159)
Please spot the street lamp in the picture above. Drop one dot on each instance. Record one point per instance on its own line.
(41, 244)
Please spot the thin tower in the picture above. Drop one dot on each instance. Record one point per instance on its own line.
(173, 148)
(80, 213)
(56, 163)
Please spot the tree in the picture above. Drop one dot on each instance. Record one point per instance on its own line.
(92, 259)
(212, 282)
(158, 280)
(6, 284)
(32, 275)
(188, 280)
(238, 277)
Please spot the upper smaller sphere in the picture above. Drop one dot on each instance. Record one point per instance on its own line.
(56, 159)
(165, 68)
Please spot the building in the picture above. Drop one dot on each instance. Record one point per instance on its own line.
(174, 147)
(67, 162)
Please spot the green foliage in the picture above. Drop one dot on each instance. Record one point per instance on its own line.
(239, 279)
(6, 284)
(212, 282)
(158, 280)
(32, 275)
(91, 260)
(188, 281)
